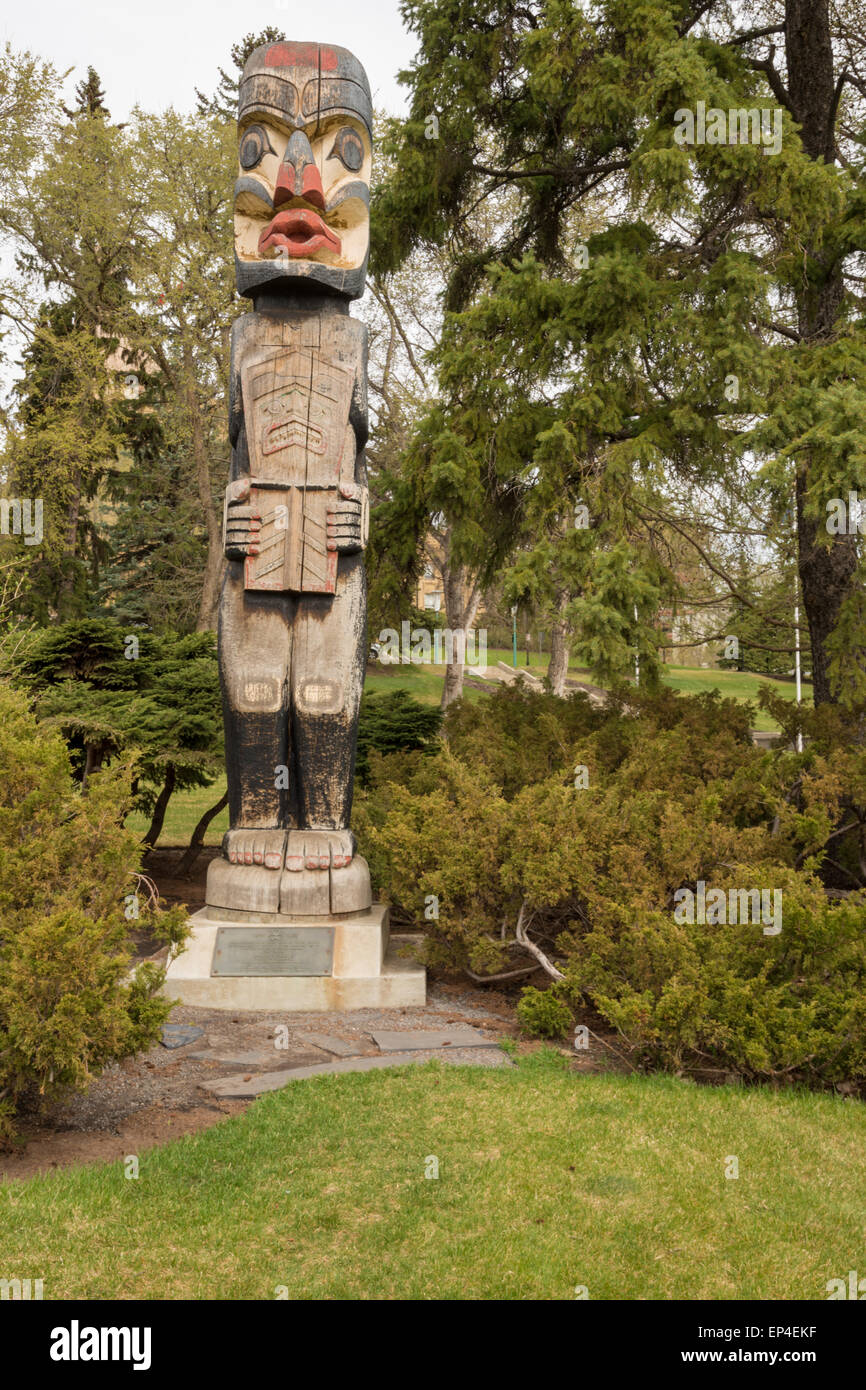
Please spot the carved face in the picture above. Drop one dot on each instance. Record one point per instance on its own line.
(302, 197)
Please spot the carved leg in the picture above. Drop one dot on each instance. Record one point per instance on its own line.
(327, 678)
(255, 652)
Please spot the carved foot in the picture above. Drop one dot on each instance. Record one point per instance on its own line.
(319, 849)
(265, 847)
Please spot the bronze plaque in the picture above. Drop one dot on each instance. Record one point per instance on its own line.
(273, 951)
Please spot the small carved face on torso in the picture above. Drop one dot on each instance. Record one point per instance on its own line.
(302, 198)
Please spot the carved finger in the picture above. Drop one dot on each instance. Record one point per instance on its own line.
(238, 491)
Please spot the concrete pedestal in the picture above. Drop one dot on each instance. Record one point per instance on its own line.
(363, 970)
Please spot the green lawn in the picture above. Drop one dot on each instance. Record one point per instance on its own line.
(736, 685)
(547, 1181)
(423, 683)
(183, 813)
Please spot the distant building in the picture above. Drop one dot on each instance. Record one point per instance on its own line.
(430, 593)
(689, 634)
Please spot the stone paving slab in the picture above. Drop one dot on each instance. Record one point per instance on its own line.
(234, 1088)
(270, 1058)
(424, 1041)
(179, 1034)
(340, 1047)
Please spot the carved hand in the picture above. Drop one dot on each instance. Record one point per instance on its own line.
(241, 523)
(348, 519)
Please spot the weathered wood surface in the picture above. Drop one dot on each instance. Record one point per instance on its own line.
(292, 631)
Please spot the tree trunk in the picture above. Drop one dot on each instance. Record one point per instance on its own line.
(210, 593)
(462, 598)
(826, 574)
(826, 571)
(193, 850)
(70, 549)
(560, 648)
(452, 688)
(93, 756)
(155, 828)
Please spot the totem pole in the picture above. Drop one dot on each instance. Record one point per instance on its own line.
(292, 626)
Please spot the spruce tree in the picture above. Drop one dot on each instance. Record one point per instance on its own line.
(645, 309)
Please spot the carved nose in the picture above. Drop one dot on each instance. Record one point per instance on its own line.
(299, 176)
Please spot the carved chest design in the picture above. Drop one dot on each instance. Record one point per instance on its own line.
(296, 402)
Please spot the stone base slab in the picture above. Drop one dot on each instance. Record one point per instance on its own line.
(367, 971)
(304, 893)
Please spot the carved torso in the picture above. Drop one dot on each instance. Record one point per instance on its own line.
(298, 397)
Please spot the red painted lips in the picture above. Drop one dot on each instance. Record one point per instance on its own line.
(298, 232)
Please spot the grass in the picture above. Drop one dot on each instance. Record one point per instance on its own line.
(547, 1181)
(183, 813)
(424, 683)
(734, 685)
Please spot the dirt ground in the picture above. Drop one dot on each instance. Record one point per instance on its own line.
(158, 1096)
(161, 866)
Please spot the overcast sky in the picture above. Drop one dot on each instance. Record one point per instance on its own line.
(156, 53)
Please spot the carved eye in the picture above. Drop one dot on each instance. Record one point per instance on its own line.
(348, 149)
(254, 146)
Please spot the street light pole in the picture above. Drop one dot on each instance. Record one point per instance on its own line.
(797, 670)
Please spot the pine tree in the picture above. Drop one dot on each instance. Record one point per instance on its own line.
(89, 98)
(115, 693)
(643, 311)
(64, 434)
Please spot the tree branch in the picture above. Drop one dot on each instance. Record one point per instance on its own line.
(530, 946)
(777, 86)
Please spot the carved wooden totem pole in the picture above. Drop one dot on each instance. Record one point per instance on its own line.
(292, 629)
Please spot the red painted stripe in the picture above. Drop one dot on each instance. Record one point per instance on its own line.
(293, 55)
